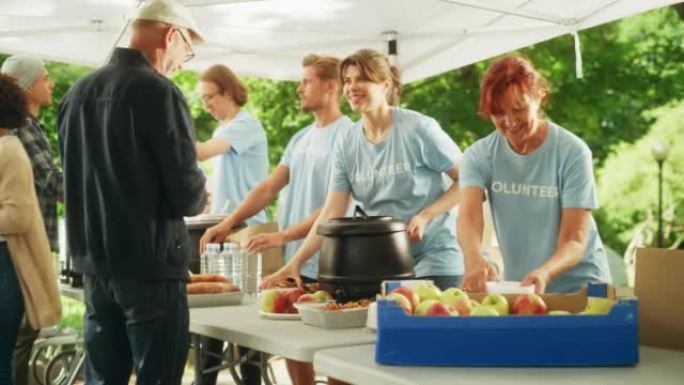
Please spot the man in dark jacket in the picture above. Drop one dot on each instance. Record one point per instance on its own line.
(127, 145)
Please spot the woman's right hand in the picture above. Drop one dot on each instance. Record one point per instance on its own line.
(290, 270)
(477, 274)
(216, 233)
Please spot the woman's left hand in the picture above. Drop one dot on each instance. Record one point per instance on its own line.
(263, 241)
(539, 278)
(416, 227)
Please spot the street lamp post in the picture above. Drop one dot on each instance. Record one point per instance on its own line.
(660, 153)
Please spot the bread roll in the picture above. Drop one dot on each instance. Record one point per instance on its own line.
(211, 288)
(207, 278)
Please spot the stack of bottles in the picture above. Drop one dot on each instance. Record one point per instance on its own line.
(230, 260)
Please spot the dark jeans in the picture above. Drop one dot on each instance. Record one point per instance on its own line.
(135, 324)
(11, 312)
(445, 281)
(26, 336)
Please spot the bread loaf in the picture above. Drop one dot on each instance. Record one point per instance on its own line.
(211, 288)
(207, 278)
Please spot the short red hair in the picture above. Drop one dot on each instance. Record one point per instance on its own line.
(510, 71)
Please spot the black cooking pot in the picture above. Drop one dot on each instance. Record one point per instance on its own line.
(358, 253)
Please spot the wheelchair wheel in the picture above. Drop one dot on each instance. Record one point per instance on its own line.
(39, 361)
(60, 368)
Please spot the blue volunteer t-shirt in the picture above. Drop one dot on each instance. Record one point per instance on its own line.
(399, 177)
(528, 193)
(307, 157)
(239, 170)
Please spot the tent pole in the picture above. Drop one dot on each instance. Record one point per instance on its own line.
(118, 38)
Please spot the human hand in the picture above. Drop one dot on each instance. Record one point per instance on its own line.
(539, 278)
(477, 274)
(290, 270)
(416, 227)
(265, 241)
(216, 233)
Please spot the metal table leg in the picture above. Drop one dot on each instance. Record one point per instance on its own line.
(197, 353)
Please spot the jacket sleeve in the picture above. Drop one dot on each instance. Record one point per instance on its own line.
(16, 187)
(170, 135)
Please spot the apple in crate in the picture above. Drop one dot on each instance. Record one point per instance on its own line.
(464, 306)
(274, 301)
(598, 305)
(424, 306)
(428, 291)
(497, 301)
(411, 295)
(402, 301)
(484, 311)
(322, 296)
(528, 304)
(453, 294)
(440, 309)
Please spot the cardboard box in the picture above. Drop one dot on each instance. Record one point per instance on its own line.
(516, 340)
(272, 259)
(659, 285)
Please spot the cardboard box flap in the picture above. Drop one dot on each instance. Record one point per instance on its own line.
(659, 287)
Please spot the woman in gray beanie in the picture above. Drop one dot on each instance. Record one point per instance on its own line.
(32, 76)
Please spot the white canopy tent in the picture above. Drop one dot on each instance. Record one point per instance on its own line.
(268, 38)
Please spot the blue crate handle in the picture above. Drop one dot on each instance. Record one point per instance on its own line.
(597, 289)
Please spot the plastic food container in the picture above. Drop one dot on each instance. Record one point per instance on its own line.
(212, 300)
(508, 287)
(314, 315)
(372, 319)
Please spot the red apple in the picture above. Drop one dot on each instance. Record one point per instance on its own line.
(424, 306)
(452, 295)
(401, 300)
(411, 295)
(497, 301)
(294, 294)
(440, 309)
(527, 304)
(267, 301)
(274, 301)
(307, 298)
(464, 306)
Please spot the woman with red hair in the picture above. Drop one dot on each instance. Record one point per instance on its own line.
(539, 180)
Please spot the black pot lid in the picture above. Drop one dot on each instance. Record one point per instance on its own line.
(361, 224)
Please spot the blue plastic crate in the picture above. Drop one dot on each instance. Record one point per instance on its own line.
(569, 340)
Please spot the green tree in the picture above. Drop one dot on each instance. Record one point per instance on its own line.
(628, 182)
(630, 66)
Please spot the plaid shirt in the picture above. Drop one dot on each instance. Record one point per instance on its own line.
(46, 175)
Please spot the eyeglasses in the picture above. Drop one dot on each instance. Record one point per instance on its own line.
(191, 53)
(206, 98)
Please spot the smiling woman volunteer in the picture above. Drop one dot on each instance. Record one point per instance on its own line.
(538, 178)
(393, 162)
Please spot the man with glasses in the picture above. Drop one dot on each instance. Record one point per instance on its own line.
(128, 150)
(238, 147)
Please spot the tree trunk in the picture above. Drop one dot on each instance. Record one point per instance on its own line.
(679, 8)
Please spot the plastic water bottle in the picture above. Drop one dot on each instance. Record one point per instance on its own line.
(252, 271)
(208, 258)
(237, 267)
(227, 257)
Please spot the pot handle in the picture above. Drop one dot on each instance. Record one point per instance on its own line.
(358, 211)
